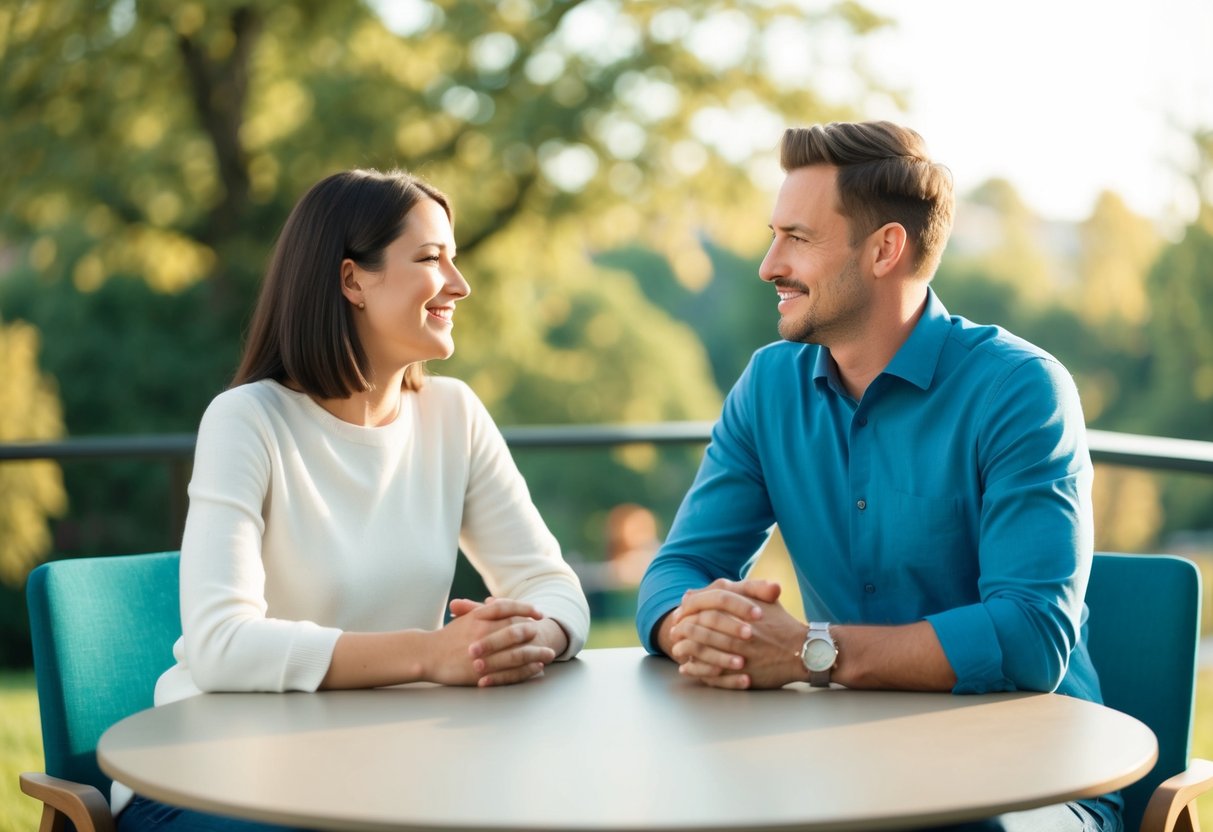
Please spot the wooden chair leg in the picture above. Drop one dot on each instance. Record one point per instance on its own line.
(1187, 820)
(1172, 808)
(52, 820)
(64, 800)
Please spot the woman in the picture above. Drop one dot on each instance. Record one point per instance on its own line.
(333, 483)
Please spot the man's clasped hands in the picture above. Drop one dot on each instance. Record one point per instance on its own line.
(736, 635)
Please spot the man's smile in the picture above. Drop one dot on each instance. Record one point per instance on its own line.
(788, 296)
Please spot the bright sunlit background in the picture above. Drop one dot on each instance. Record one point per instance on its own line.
(1063, 99)
(612, 163)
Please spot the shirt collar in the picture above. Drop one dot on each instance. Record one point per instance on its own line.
(919, 355)
(917, 358)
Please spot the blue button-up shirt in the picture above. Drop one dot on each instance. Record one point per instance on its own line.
(957, 490)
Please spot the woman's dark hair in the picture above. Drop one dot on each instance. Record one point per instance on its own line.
(302, 329)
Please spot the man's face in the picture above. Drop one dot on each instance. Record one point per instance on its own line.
(823, 296)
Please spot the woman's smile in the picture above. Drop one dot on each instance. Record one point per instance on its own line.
(442, 313)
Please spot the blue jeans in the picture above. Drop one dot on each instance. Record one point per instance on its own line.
(143, 815)
(1088, 816)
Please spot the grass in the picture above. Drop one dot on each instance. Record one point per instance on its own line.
(21, 741)
(20, 750)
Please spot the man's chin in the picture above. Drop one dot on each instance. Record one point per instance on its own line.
(795, 331)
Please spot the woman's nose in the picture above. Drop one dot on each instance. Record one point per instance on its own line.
(456, 283)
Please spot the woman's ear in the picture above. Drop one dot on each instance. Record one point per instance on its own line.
(892, 251)
(351, 283)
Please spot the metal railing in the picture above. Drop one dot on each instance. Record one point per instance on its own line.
(1126, 449)
(177, 449)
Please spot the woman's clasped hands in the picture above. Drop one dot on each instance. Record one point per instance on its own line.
(501, 641)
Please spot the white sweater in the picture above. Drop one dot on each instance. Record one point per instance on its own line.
(302, 526)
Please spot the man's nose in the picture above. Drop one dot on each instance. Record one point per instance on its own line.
(771, 266)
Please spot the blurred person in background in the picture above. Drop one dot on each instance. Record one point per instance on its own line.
(631, 542)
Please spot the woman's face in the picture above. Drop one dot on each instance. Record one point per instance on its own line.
(410, 304)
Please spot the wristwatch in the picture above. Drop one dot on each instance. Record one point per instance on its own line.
(819, 654)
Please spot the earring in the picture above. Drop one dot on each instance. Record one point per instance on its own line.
(361, 305)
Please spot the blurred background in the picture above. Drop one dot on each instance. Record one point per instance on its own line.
(612, 165)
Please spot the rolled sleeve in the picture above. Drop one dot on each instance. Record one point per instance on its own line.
(970, 641)
(1036, 538)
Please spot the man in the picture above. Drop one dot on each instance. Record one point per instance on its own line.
(929, 476)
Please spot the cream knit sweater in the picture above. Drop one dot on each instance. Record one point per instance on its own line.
(302, 526)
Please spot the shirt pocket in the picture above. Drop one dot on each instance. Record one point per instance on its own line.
(926, 550)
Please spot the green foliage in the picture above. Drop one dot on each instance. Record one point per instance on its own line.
(1181, 335)
(30, 492)
(20, 750)
(130, 361)
(1118, 248)
(733, 313)
(152, 150)
(1176, 398)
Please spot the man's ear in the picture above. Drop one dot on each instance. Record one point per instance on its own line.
(351, 284)
(891, 249)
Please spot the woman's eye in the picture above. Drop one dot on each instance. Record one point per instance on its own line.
(433, 258)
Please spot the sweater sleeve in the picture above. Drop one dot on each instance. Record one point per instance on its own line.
(505, 538)
(230, 644)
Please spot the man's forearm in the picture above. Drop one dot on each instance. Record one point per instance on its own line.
(908, 657)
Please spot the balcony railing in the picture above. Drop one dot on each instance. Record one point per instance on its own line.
(1131, 450)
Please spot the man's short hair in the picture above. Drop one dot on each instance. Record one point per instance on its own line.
(884, 175)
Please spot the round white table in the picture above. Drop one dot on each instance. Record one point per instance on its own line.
(618, 741)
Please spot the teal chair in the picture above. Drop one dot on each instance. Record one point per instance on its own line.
(1144, 631)
(103, 631)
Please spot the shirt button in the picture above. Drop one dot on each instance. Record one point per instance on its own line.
(861, 504)
(869, 588)
(863, 421)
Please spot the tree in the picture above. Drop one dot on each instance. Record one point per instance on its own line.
(1117, 249)
(997, 229)
(30, 492)
(153, 149)
(1177, 396)
(1179, 401)
(167, 140)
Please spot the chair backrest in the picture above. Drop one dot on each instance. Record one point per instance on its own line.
(1144, 634)
(103, 631)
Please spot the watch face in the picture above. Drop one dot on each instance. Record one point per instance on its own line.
(819, 654)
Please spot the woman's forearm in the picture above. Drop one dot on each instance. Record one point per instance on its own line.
(371, 660)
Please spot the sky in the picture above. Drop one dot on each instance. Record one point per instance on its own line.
(1064, 98)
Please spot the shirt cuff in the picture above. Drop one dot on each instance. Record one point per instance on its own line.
(650, 614)
(971, 646)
